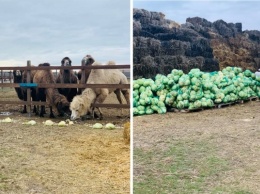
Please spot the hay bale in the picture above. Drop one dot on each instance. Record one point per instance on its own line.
(126, 133)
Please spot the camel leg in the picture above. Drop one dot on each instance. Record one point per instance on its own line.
(126, 95)
(51, 113)
(41, 112)
(37, 99)
(118, 95)
(42, 98)
(100, 113)
(93, 113)
(100, 99)
(37, 109)
(24, 109)
(25, 99)
(34, 109)
(34, 99)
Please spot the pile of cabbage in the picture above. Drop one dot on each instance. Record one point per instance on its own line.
(194, 90)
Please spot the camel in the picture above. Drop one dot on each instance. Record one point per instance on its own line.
(67, 76)
(81, 104)
(20, 77)
(52, 95)
(86, 61)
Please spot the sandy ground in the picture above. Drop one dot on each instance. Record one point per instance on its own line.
(72, 159)
(233, 130)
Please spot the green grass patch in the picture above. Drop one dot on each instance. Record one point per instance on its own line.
(242, 192)
(3, 182)
(185, 167)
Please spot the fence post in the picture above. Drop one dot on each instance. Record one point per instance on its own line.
(83, 79)
(28, 80)
(2, 77)
(83, 76)
(10, 76)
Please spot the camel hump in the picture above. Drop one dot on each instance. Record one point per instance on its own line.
(111, 63)
(96, 64)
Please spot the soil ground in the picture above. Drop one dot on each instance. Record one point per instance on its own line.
(73, 159)
(210, 151)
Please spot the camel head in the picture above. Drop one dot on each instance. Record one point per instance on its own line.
(87, 60)
(78, 108)
(18, 75)
(62, 105)
(66, 62)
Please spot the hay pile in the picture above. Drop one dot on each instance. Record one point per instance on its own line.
(106, 157)
(126, 134)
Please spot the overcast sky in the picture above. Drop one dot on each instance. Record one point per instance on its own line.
(48, 30)
(246, 12)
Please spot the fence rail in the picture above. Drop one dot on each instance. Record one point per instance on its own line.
(29, 68)
(66, 67)
(17, 85)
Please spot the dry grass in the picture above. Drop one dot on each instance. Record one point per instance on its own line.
(212, 151)
(73, 159)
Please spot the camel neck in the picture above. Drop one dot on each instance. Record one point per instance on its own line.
(89, 94)
(52, 95)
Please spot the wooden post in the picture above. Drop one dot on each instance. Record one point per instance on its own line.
(83, 78)
(2, 77)
(10, 76)
(28, 80)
